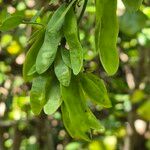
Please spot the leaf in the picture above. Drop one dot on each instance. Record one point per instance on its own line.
(98, 15)
(67, 122)
(34, 18)
(38, 92)
(31, 56)
(52, 39)
(3, 15)
(54, 99)
(143, 110)
(32, 70)
(33, 37)
(62, 72)
(78, 114)
(131, 23)
(95, 89)
(132, 5)
(66, 56)
(71, 34)
(73, 146)
(92, 121)
(105, 36)
(57, 22)
(11, 22)
(137, 96)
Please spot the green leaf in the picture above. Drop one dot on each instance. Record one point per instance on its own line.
(35, 17)
(11, 22)
(66, 56)
(52, 39)
(106, 34)
(54, 99)
(92, 121)
(32, 71)
(62, 72)
(95, 89)
(3, 15)
(57, 22)
(38, 92)
(98, 15)
(71, 34)
(137, 96)
(73, 146)
(31, 56)
(77, 113)
(132, 5)
(131, 23)
(143, 110)
(33, 37)
(71, 128)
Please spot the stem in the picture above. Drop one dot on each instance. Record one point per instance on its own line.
(17, 138)
(25, 22)
(83, 10)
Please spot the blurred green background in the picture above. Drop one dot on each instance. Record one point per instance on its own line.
(127, 123)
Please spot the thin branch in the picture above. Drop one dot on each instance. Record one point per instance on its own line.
(34, 23)
(82, 11)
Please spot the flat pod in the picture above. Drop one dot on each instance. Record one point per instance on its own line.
(62, 71)
(106, 38)
(71, 34)
(95, 89)
(38, 92)
(31, 56)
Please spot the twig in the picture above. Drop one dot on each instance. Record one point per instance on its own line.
(82, 11)
(35, 23)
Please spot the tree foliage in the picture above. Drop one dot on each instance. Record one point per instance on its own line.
(57, 60)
